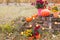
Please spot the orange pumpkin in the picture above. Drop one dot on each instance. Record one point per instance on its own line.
(45, 13)
(29, 19)
(34, 16)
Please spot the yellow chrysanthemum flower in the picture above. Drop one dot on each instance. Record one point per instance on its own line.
(54, 11)
(28, 32)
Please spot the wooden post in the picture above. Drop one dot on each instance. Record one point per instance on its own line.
(17, 2)
(1, 1)
(7, 1)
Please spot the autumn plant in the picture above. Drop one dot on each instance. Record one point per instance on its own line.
(6, 28)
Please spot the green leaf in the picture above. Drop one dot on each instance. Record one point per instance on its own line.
(39, 6)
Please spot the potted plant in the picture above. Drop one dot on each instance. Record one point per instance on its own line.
(40, 4)
(29, 34)
(37, 32)
(55, 11)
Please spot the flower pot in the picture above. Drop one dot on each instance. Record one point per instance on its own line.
(31, 38)
(38, 36)
(39, 11)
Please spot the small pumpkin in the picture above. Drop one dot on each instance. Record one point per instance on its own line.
(34, 16)
(29, 19)
(45, 12)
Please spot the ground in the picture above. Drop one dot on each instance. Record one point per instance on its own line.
(10, 12)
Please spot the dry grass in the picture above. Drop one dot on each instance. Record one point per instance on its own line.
(8, 13)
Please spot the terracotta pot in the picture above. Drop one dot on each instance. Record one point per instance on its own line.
(38, 36)
(31, 38)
